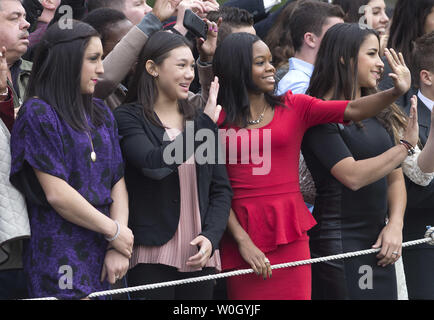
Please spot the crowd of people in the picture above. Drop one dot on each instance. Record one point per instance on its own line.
(134, 152)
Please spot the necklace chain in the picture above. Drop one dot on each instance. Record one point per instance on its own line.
(261, 117)
(92, 154)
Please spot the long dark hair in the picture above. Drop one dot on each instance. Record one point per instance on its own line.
(279, 37)
(232, 64)
(295, 20)
(351, 9)
(143, 88)
(403, 33)
(56, 74)
(336, 71)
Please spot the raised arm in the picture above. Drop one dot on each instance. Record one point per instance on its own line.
(369, 106)
(325, 142)
(120, 60)
(151, 159)
(204, 65)
(357, 174)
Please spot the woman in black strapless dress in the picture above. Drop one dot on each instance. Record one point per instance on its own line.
(356, 172)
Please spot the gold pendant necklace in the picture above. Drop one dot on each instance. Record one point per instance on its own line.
(92, 154)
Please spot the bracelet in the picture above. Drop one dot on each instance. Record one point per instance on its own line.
(118, 230)
(203, 63)
(409, 147)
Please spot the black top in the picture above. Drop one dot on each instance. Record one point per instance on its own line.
(153, 185)
(347, 220)
(338, 209)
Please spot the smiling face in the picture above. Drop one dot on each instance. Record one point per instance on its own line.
(13, 29)
(377, 17)
(262, 70)
(175, 74)
(92, 67)
(370, 66)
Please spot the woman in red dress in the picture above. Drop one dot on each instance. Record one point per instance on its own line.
(268, 222)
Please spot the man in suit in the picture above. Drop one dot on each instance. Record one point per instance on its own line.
(420, 199)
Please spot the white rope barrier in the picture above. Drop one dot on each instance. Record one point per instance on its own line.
(429, 238)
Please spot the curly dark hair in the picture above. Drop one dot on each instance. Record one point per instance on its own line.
(231, 18)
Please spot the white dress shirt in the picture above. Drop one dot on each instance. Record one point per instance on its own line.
(428, 102)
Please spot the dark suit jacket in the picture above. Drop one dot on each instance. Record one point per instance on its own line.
(153, 185)
(263, 20)
(255, 7)
(420, 200)
(263, 27)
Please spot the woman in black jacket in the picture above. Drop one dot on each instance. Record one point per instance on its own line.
(179, 203)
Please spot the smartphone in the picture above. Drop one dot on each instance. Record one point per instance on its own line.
(193, 23)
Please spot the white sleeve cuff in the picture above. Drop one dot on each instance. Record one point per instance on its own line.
(269, 4)
(413, 172)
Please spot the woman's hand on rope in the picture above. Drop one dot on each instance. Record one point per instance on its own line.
(115, 266)
(200, 259)
(212, 110)
(255, 258)
(401, 74)
(390, 241)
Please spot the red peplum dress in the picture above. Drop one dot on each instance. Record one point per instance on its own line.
(263, 169)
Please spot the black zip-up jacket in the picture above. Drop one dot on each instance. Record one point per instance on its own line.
(153, 185)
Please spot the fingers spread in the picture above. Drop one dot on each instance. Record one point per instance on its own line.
(390, 59)
(401, 58)
(395, 56)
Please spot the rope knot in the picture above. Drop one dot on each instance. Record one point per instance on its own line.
(430, 234)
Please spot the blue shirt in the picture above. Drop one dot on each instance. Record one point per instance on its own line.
(298, 77)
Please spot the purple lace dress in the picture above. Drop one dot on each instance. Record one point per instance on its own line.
(62, 259)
